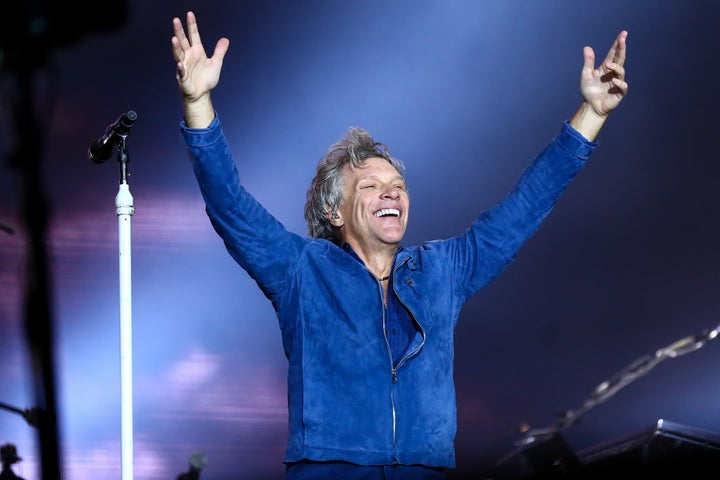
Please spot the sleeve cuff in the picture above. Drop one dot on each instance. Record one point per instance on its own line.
(572, 141)
(198, 137)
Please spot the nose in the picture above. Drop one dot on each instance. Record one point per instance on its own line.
(391, 192)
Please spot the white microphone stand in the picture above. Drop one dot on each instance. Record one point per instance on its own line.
(125, 209)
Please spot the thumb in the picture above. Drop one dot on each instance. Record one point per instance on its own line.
(221, 48)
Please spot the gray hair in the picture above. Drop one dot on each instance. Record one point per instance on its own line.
(325, 194)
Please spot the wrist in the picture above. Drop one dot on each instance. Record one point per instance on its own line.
(587, 121)
(199, 112)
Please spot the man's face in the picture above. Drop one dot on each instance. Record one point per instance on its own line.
(376, 207)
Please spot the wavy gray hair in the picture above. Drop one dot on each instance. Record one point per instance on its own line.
(325, 194)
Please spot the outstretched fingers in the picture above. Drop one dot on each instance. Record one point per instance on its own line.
(179, 33)
(614, 64)
(182, 42)
(192, 28)
(618, 51)
(177, 50)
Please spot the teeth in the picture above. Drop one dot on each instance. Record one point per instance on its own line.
(388, 211)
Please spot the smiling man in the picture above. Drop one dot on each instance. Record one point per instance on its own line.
(370, 214)
(367, 322)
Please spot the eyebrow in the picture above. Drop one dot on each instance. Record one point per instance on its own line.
(375, 177)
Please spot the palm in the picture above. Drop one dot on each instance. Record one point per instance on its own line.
(201, 74)
(604, 87)
(197, 74)
(599, 91)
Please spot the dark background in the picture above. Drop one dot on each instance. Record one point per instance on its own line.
(465, 93)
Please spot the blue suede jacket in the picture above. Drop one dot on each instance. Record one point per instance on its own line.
(346, 401)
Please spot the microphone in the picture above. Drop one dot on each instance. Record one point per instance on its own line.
(197, 462)
(102, 148)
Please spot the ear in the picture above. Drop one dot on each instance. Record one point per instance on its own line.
(335, 219)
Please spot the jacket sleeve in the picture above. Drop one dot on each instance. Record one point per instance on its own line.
(255, 239)
(492, 241)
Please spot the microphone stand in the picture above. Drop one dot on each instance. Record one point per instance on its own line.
(125, 209)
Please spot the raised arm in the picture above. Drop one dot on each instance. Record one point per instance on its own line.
(196, 74)
(603, 88)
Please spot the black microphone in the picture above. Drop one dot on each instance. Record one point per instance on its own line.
(197, 462)
(103, 147)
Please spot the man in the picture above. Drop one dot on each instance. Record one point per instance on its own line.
(367, 324)
(8, 457)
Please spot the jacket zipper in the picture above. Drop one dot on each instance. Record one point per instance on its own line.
(393, 368)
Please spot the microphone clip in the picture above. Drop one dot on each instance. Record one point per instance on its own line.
(103, 147)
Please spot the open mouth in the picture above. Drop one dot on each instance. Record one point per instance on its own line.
(387, 212)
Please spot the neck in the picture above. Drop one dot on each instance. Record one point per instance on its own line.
(378, 260)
